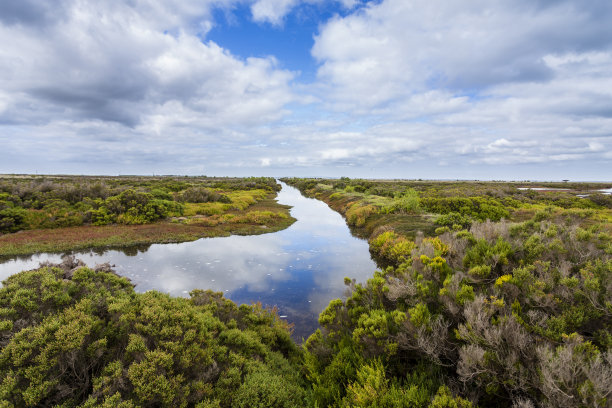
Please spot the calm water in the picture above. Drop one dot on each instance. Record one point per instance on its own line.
(299, 269)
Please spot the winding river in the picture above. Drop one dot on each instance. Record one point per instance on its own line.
(299, 269)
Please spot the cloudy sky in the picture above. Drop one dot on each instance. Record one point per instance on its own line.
(471, 89)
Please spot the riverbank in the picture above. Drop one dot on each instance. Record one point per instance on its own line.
(505, 301)
(367, 214)
(407, 207)
(264, 216)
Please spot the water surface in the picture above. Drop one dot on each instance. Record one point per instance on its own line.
(299, 269)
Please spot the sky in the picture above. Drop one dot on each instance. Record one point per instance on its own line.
(432, 89)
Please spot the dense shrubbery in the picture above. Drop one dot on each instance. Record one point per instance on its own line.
(12, 219)
(389, 248)
(453, 219)
(73, 336)
(479, 208)
(201, 195)
(131, 207)
(510, 305)
(508, 313)
(405, 202)
(491, 312)
(454, 205)
(39, 202)
(601, 200)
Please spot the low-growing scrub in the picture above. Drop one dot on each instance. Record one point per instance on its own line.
(203, 206)
(72, 336)
(487, 296)
(37, 202)
(509, 306)
(509, 313)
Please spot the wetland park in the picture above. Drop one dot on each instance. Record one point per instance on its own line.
(255, 292)
(305, 204)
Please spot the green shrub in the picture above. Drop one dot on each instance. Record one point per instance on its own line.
(92, 341)
(12, 220)
(454, 218)
(202, 195)
(406, 202)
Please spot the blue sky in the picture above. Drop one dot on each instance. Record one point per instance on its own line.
(392, 88)
(289, 41)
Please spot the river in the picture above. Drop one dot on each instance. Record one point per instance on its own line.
(299, 269)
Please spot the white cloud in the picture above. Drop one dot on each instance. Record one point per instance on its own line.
(91, 86)
(272, 11)
(468, 79)
(394, 48)
(139, 65)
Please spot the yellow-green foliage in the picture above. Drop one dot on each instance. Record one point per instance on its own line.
(192, 209)
(480, 271)
(261, 217)
(92, 340)
(444, 399)
(37, 202)
(240, 200)
(440, 248)
(499, 282)
(405, 202)
(390, 247)
(330, 313)
(371, 388)
(243, 199)
(420, 315)
(357, 214)
(252, 217)
(400, 250)
(469, 301)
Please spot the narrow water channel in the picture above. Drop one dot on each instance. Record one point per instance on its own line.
(299, 269)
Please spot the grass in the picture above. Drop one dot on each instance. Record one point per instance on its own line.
(259, 217)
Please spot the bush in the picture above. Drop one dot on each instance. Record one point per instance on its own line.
(201, 195)
(603, 200)
(71, 201)
(480, 208)
(406, 202)
(357, 214)
(73, 336)
(453, 218)
(12, 220)
(489, 306)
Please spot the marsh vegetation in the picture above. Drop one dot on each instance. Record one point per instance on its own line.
(506, 300)
(487, 295)
(62, 213)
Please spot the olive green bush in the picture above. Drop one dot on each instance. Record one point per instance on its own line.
(77, 337)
